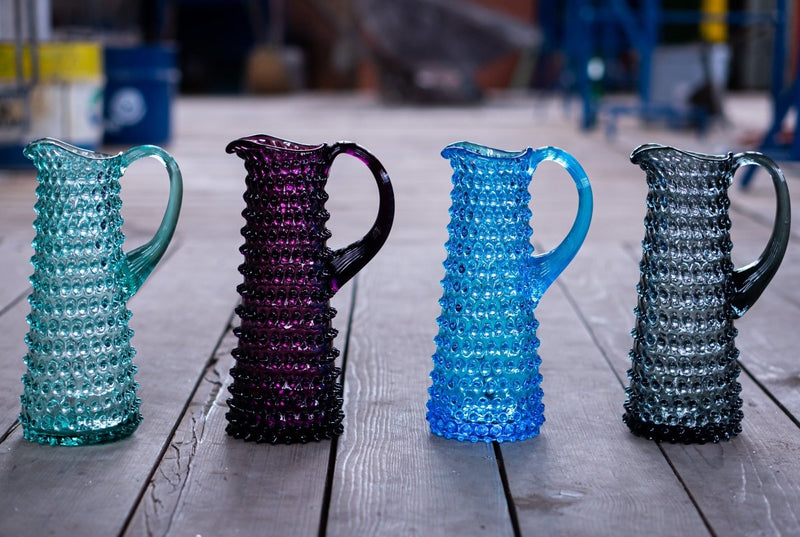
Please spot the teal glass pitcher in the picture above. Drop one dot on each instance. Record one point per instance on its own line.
(486, 381)
(79, 385)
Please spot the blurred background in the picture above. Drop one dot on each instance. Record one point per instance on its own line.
(106, 71)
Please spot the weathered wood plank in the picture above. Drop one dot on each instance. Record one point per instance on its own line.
(391, 474)
(177, 324)
(750, 485)
(13, 328)
(742, 486)
(757, 202)
(568, 480)
(211, 484)
(586, 471)
(750, 236)
(393, 477)
(15, 267)
(16, 233)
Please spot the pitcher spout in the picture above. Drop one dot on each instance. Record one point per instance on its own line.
(467, 149)
(265, 142)
(43, 144)
(645, 151)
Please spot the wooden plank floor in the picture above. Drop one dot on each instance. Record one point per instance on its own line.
(181, 475)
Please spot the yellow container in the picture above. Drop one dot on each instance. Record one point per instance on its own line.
(58, 62)
(713, 27)
(64, 100)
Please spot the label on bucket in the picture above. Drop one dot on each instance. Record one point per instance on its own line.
(126, 107)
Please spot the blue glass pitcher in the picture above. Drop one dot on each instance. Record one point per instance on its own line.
(79, 386)
(486, 381)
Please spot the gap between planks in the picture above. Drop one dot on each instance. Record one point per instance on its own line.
(512, 508)
(174, 513)
(331, 472)
(686, 461)
(603, 351)
(212, 360)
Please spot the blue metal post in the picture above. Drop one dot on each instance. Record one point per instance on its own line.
(782, 101)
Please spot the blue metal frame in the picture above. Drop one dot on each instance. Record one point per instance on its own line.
(641, 27)
(783, 101)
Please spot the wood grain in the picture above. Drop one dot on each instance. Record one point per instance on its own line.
(266, 489)
(174, 340)
(748, 472)
(179, 474)
(15, 268)
(12, 350)
(393, 477)
(586, 471)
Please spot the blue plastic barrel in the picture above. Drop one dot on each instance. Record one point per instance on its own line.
(140, 84)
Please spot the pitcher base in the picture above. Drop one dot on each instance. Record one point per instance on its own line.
(485, 432)
(270, 435)
(99, 436)
(678, 434)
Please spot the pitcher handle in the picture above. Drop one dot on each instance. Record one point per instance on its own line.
(141, 261)
(751, 280)
(349, 260)
(550, 264)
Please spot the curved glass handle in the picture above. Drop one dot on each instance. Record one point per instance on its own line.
(549, 265)
(141, 261)
(349, 260)
(751, 280)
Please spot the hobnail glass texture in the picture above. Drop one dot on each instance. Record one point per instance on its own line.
(79, 386)
(285, 386)
(683, 375)
(486, 384)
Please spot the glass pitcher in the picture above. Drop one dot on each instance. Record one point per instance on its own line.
(684, 362)
(79, 386)
(285, 386)
(486, 381)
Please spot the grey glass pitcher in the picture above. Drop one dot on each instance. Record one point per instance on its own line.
(684, 370)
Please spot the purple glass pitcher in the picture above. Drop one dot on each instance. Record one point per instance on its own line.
(285, 386)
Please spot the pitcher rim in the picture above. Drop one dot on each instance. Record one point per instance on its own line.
(75, 150)
(272, 142)
(694, 154)
(485, 151)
